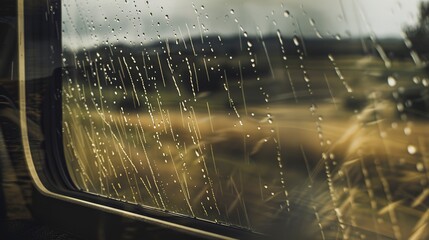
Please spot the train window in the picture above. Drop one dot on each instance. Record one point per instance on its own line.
(259, 115)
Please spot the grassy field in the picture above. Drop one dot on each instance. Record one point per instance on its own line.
(321, 151)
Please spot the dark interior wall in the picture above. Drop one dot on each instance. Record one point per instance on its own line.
(8, 49)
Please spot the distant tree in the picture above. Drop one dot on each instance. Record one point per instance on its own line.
(421, 30)
(419, 33)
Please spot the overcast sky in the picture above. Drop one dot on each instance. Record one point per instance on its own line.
(86, 22)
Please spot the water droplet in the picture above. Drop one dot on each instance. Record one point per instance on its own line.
(420, 167)
(306, 79)
(286, 13)
(391, 81)
(400, 107)
(411, 149)
(407, 131)
(296, 41)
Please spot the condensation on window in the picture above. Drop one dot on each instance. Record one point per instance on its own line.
(294, 118)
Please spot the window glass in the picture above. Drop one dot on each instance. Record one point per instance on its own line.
(254, 114)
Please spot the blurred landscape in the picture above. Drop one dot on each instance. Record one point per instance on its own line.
(284, 136)
(311, 125)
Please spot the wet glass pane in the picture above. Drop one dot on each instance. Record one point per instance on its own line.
(256, 114)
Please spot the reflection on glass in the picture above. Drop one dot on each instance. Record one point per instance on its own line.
(260, 115)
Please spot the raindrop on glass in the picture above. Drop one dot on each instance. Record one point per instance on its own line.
(420, 167)
(412, 149)
(391, 81)
(296, 41)
(286, 13)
